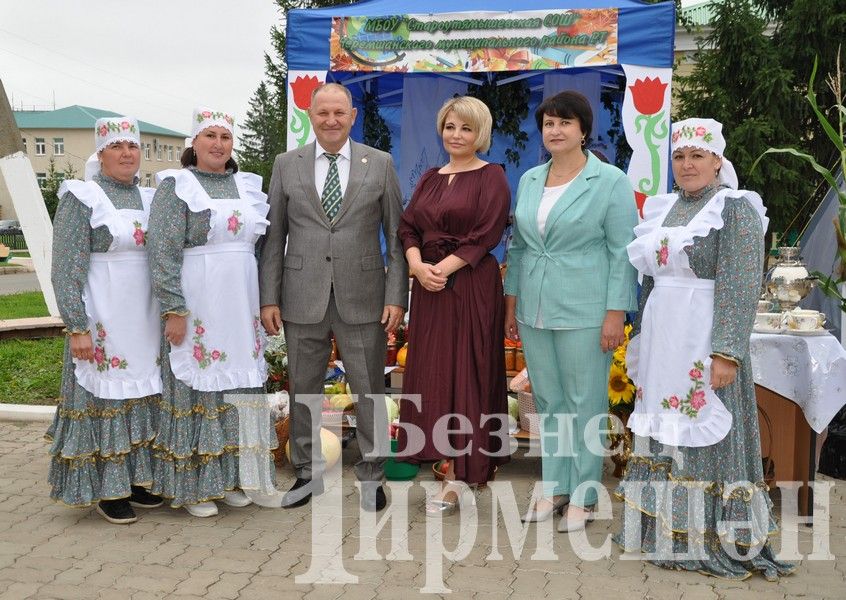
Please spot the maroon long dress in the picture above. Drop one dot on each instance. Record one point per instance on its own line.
(455, 357)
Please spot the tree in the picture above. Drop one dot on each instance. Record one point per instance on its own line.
(264, 130)
(749, 82)
(263, 134)
(50, 189)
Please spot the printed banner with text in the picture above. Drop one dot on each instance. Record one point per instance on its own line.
(492, 41)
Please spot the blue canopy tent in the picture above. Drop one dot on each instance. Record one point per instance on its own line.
(646, 30)
(641, 61)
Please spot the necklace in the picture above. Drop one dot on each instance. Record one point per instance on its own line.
(566, 176)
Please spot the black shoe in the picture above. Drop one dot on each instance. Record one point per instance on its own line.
(301, 492)
(117, 511)
(373, 497)
(141, 498)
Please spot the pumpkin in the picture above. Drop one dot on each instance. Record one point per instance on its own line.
(401, 355)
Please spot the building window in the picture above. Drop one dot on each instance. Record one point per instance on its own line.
(58, 146)
(146, 151)
(42, 179)
(40, 147)
(23, 139)
(170, 153)
(148, 180)
(178, 153)
(158, 148)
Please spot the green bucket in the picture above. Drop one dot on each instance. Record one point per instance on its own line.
(399, 471)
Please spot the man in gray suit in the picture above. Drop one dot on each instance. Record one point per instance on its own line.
(322, 272)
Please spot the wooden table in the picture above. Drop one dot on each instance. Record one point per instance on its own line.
(790, 443)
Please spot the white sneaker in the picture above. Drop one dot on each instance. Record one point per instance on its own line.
(236, 498)
(271, 500)
(202, 509)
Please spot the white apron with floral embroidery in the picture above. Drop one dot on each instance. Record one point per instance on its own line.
(669, 360)
(123, 314)
(223, 348)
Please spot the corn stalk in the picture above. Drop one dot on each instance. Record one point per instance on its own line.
(829, 284)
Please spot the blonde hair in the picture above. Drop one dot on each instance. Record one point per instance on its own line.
(472, 111)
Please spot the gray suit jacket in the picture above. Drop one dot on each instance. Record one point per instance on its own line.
(304, 256)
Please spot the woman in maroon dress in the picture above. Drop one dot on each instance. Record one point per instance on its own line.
(455, 356)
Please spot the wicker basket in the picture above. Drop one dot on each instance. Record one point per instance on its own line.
(527, 413)
(282, 430)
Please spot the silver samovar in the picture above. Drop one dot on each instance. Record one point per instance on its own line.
(788, 281)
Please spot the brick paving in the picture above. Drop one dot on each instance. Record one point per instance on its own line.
(50, 551)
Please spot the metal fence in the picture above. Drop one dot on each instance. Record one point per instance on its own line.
(15, 241)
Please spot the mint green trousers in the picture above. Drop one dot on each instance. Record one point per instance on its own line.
(569, 376)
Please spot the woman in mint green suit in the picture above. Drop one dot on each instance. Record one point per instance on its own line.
(568, 286)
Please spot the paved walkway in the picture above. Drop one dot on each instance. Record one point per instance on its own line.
(50, 551)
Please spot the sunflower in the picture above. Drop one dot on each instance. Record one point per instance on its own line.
(621, 390)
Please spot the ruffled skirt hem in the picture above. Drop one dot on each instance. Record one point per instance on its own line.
(657, 521)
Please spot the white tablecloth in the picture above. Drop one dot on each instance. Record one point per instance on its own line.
(810, 371)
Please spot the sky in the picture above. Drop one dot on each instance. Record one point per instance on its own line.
(151, 59)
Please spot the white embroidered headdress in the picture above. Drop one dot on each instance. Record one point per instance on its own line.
(706, 134)
(205, 117)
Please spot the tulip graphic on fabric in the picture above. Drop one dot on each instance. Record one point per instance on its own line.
(648, 99)
(648, 95)
(301, 90)
(640, 200)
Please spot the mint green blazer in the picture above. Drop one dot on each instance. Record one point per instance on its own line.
(579, 269)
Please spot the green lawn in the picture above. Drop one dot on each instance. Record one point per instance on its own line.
(25, 304)
(30, 370)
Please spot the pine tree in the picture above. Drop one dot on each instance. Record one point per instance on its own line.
(754, 85)
(263, 134)
(264, 130)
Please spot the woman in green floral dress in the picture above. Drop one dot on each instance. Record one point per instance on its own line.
(204, 223)
(696, 465)
(106, 419)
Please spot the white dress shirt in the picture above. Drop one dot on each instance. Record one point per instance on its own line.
(321, 167)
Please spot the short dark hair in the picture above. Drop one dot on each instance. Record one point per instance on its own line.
(567, 105)
(189, 159)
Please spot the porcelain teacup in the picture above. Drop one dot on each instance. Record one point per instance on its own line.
(805, 320)
(768, 320)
